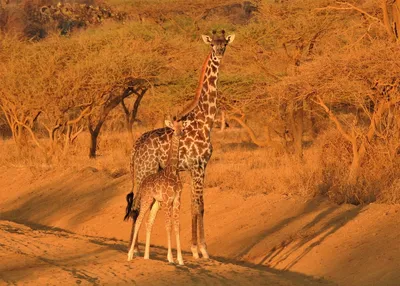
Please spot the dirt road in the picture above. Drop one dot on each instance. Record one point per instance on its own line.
(45, 256)
(67, 228)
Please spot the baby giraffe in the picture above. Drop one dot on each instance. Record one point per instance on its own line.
(162, 189)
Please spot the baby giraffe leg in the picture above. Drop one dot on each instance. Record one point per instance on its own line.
(149, 226)
(137, 227)
(168, 226)
(134, 219)
(176, 209)
(143, 210)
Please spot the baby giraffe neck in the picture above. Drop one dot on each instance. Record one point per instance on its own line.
(173, 156)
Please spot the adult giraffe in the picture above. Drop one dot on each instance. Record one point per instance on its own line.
(150, 151)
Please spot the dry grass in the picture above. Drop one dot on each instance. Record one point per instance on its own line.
(237, 166)
(242, 167)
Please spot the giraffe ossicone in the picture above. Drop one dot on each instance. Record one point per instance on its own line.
(150, 151)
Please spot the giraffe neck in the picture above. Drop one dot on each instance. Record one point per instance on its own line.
(173, 156)
(207, 91)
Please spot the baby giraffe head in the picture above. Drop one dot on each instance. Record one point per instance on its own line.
(176, 126)
(218, 43)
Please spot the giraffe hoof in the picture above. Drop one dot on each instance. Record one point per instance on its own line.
(146, 257)
(130, 255)
(203, 251)
(205, 256)
(195, 252)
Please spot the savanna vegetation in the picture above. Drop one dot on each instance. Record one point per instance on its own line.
(310, 89)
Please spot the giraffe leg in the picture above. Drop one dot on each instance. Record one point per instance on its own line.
(142, 172)
(198, 213)
(149, 226)
(194, 248)
(143, 210)
(135, 214)
(136, 230)
(134, 219)
(176, 209)
(136, 249)
(200, 218)
(168, 226)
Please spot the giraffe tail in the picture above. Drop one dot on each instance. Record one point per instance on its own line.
(129, 211)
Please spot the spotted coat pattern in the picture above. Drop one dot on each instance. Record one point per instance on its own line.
(150, 151)
(162, 189)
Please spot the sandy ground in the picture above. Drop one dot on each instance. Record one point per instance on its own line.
(66, 228)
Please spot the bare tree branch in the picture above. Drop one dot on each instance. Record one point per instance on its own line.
(348, 6)
(332, 116)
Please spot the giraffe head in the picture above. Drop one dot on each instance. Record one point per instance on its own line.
(218, 43)
(175, 125)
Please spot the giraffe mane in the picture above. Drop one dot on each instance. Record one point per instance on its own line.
(195, 101)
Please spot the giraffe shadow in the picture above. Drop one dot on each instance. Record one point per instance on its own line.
(289, 253)
(309, 208)
(286, 253)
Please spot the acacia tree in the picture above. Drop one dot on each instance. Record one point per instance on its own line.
(379, 124)
(372, 67)
(17, 102)
(112, 99)
(20, 120)
(25, 112)
(360, 94)
(55, 98)
(291, 34)
(389, 10)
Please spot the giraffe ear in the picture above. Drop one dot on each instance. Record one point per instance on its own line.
(206, 39)
(169, 123)
(230, 38)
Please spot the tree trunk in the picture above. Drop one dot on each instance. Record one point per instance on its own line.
(106, 109)
(67, 139)
(129, 127)
(296, 125)
(396, 19)
(391, 18)
(223, 120)
(94, 133)
(93, 144)
(357, 157)
(130, 115)
(313, 122)
(52, 135)
(354, 169)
